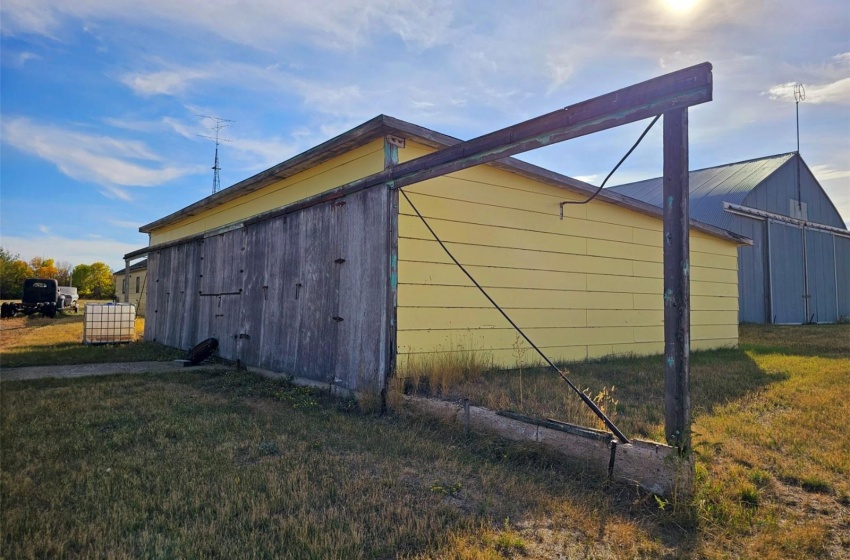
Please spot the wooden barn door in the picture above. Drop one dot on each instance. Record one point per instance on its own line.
(221, 277)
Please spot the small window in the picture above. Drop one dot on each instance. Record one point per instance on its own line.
(138, 279)
(124, 286)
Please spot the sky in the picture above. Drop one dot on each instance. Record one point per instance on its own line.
(103, 102)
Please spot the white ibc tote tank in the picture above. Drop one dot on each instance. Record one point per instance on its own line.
(109, 323)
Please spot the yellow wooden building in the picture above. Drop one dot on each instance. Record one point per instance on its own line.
(133, 288)
(280, 269)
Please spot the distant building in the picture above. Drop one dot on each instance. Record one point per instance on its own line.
(798, 268)
(137, 293)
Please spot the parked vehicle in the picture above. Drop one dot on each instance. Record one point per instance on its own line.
(42, 295)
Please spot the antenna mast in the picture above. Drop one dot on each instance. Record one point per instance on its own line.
(219, 124)
(799, 95)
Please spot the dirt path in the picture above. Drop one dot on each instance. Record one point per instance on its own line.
(84, 370)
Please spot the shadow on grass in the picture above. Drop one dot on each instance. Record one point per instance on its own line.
(634, 387)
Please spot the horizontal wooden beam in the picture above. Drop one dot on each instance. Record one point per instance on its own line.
(652, 466)
(677, 90)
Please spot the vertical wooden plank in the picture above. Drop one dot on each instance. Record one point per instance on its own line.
(150, 321)
(162, 281)
(254, 296)
(192, 265)
(175, 286)
(288, 294)
(361, 335)
(676, 282)
(126, 280)
(319, 294)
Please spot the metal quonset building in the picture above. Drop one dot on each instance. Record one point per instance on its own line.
(798, 267)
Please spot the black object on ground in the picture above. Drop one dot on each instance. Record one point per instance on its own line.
(201, 352)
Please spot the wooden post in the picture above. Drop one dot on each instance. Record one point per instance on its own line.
(677, 293)
(126, 280)
(391, 146)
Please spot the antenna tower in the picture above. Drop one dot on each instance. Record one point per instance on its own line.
(799, 95)
(216, 127)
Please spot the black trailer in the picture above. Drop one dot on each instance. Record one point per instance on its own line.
(42, 295)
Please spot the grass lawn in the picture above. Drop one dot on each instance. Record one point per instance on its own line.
(196, 464)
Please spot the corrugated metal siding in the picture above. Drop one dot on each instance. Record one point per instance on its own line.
(753, 304)
(842, 275)
(276, 294)
(786, 274)
(820, 263)
(780, 189)
(768, 184)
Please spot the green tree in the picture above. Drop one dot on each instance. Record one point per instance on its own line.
(103, 286)
(13, 272)
(82, 279)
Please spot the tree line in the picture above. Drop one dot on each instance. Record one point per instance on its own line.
(91, 280)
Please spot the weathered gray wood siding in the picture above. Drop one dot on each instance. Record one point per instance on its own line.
(303, 293)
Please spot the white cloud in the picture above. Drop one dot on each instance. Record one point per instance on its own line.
(263, 24)
(263, 153)
(829, 173)
(109, 162)
(250, 152)
(175, 80)
(165, 82)
(837, 92)
(128, 224)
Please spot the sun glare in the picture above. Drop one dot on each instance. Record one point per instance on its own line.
(681, 6)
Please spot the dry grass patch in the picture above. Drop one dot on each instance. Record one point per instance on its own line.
(36, 340)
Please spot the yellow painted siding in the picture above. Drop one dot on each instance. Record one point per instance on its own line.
(583, 287)
(138, 298)
(338, 171)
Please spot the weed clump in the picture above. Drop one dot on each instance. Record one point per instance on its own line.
(436, 373)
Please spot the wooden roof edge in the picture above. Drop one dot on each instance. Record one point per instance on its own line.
(366, 132)
(382, 125)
